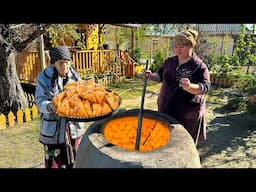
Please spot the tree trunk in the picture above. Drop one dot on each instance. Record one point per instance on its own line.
(12, 97)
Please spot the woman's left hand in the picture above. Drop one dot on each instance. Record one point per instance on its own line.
(184, 83)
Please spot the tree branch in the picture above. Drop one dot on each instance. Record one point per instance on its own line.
(19, 46)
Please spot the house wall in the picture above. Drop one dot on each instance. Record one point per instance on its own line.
(219, 44)
(111, 37)
(224, 43)
(149, 45)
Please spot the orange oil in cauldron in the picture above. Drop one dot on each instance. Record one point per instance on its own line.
(122, 132)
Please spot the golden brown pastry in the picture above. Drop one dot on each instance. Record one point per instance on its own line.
(96, 109)
(64, 108)
(100, 95)
(57, 100)
(105, 108)
(88, 108)
(85, 99)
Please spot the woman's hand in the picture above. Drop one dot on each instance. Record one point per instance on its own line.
(147, 73)
(51, 108)
(192, 88)
(185, 83)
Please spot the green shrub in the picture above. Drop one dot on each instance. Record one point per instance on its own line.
(248, 84)
(251, 108)
(136, 54)
(158, 60)
(236, 104)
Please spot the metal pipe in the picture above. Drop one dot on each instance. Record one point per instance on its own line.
(140, 116)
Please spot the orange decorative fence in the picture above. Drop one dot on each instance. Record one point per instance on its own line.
(28, 66)
(95, 61)
(21, 116)
(130, 64)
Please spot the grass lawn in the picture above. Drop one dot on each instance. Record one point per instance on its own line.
(19, 146)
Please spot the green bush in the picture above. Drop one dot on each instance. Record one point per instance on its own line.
(248, 84)
(158, 60)
(136, 54)
(236, 104)
(251, 107)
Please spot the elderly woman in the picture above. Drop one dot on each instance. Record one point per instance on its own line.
(185, 80)
(59, 137)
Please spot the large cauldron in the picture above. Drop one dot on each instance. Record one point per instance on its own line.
(96, 152)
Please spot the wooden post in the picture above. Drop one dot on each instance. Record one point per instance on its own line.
(34, 111)
(42, 53)
(116, 32)
(2, 122)
(132, 38)
(11, 117)
(27, 114)
(19, 116)
(150, 51)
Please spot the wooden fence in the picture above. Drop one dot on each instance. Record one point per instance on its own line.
(21, 116)
(94, 61)
(28, 66)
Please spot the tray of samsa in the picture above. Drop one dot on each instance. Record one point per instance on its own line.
(86, 101)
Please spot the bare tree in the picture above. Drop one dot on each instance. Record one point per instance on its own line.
(13, 39)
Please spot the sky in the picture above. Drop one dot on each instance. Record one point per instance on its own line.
(248, 26)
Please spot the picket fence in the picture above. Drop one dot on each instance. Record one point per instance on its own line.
(11, 119)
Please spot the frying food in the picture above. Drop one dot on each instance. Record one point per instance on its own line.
(122, 132)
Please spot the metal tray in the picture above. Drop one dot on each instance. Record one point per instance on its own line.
(96, 118)
(81, 119)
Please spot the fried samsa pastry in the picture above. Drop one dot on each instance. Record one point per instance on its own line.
(81, 89)
(74, 100)
(96, 109)
(79, 110)
(111, 101)
(100, 95)
(89, 82)
(70, 86)
(98, 87)
(105, 108)
(114, 96)
(90, 96)
(70, 93)
(87, 107)
(64, 108)
(58, 99)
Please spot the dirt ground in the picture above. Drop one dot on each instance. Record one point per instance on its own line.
(231, 136)
(231, 140)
